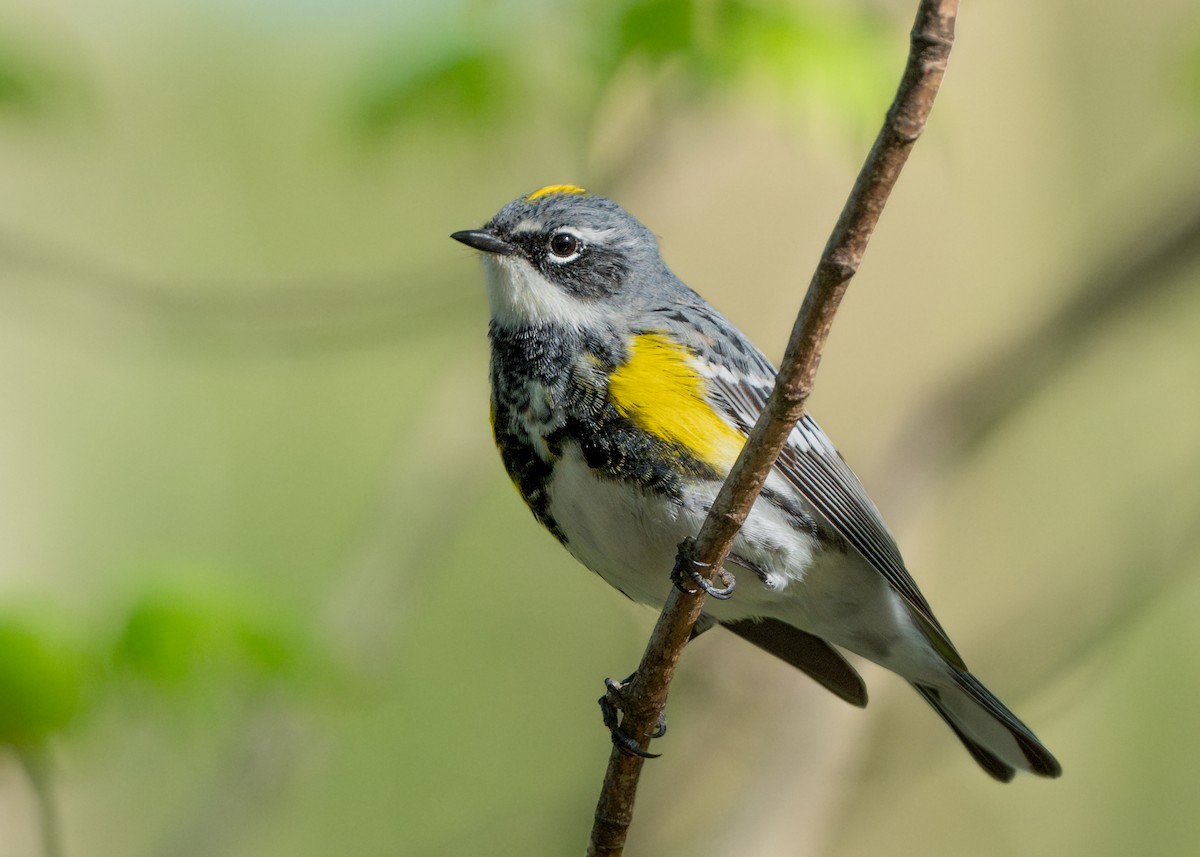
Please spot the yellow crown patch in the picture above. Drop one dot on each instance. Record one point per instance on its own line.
(553, 188)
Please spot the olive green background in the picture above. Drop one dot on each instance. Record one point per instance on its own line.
(264, 588)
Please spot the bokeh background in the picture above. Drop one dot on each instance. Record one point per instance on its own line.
(264, 588)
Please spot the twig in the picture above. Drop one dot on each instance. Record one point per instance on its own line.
(35, 759)
(645, 699)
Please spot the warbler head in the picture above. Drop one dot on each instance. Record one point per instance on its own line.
(563, 256)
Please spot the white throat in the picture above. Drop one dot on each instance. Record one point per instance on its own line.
(519, 296)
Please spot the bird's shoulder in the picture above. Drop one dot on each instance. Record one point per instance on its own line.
(738, 379)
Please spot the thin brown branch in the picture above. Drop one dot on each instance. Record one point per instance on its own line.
(645, 699)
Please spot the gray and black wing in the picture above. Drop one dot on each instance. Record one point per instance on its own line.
(812, 465)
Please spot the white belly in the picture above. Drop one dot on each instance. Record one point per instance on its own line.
(630, 538)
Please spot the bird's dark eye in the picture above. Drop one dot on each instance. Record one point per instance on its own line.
(565, 244)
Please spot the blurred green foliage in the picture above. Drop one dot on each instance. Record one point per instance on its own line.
(840, 58)
(175, 639)
(18, 89)
(43, 678)
(37, 82)
(245, 436)
(470, 85)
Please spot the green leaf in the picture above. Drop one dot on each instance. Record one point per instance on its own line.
(659, 29)
(843, 59)
(41, 682)
(467, 84)
(194, 639)
(801, 54)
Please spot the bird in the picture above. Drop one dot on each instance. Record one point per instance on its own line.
(620, 399)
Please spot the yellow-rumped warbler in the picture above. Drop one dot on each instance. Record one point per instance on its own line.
(620, 399)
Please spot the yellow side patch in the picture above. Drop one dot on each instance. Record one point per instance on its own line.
(553, 188)
(662, 393)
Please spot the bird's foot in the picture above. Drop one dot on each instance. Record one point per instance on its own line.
(613, 702)
(686, 571)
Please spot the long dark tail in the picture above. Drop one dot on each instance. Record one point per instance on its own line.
(992, 734)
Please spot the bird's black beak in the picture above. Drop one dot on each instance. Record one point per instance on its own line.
(482, 239)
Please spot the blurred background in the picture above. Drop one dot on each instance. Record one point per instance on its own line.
(264, 587)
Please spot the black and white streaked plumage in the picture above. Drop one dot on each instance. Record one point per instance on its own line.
(620, 399)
